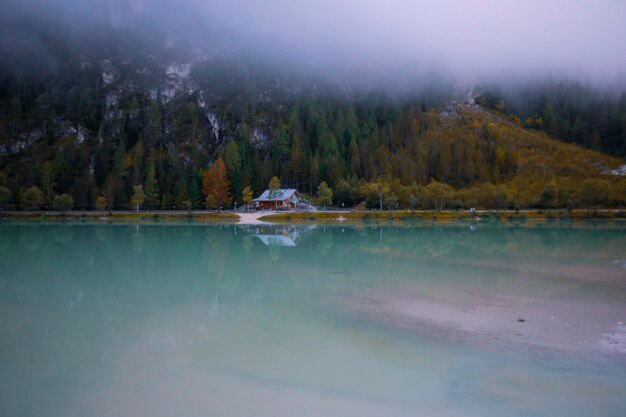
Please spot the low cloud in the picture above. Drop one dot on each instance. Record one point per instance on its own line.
(385, 39)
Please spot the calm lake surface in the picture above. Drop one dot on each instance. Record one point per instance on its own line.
(224, 320)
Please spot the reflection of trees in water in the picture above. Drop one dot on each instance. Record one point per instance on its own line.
(63, 234)
(194, 264)
(101, 233)
(212, 252)
(186, 231)
(5, 242)
(210, 238)
(460, 241)
(246, 242)
(215, 305)
(137, 240)
(324, 241)
(216, 250)
(31, 237)
(274, 252)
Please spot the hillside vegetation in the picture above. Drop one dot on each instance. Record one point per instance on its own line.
(568, 110)
(371, 151)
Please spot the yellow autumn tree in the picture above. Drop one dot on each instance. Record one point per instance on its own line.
(215, 186)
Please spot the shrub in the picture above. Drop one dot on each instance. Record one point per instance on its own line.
(6, 198)
(101, 203)
(32, 199)
(63, 202)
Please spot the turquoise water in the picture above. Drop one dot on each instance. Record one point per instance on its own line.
(225, 320)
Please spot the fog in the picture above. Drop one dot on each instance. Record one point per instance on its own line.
(463, 39)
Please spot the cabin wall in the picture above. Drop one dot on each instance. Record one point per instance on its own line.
(273, 205)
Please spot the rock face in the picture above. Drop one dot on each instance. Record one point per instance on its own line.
(215, 124)
(259, 138)
(620, 171)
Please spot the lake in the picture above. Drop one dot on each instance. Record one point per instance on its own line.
(164, 319)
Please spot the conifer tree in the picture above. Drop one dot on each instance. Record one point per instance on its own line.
(138, 197)
(324, 194)
(151, 186)
(247, 195)
(232, 160)
(274, 186)
(215, 186)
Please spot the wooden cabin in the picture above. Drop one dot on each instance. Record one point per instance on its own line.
(285, 199)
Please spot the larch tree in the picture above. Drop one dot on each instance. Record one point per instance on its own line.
(215, 186)
(439, 193)
(247, 195)
(101, 203)
(377, 189)
(324, 194)
(274, 186)
(138, 197)
(151, 186)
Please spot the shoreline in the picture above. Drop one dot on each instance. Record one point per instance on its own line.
(445, 215)
(122, 215)
(326, 217)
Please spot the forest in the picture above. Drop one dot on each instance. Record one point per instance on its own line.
(571, 111)
(121, 129)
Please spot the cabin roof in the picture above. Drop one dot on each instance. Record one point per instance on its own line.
(280, 195)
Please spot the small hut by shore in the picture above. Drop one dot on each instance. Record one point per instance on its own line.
(286, 199)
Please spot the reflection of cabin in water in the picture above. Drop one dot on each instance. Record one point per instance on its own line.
(277, 199)
(272, 235)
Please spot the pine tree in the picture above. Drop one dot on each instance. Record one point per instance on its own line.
(47, 183)
(101, 166)
(195, 195)
(153, 129)
(151, 186)
(355, 158)
(182, 197)
(296, 161)
(117, 183)
(232, 160)
(314, 173)
(138, 159)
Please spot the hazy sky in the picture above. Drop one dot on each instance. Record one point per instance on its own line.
(584, 38)
(466, 36)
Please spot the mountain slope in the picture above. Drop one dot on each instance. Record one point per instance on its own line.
(98, 124)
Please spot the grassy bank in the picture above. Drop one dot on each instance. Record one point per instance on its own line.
(323, 216)
(536, 215)
(206, 216)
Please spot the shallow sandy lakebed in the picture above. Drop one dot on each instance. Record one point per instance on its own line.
(508, 320)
